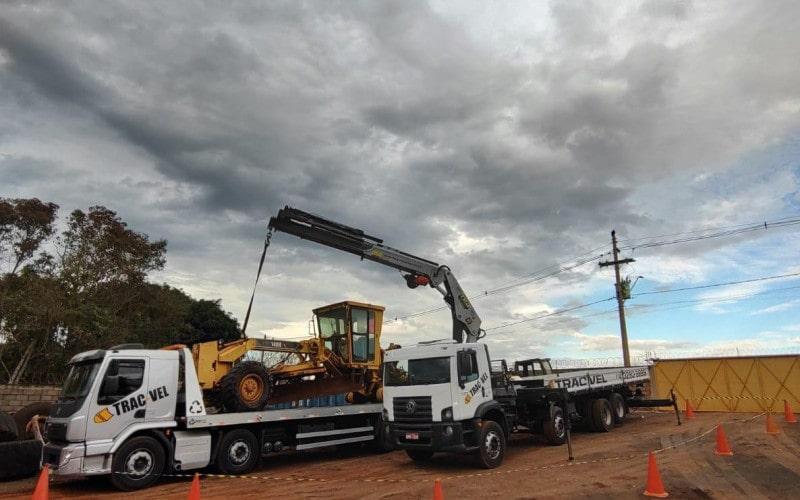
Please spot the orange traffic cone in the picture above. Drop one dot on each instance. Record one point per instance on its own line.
(194, 489)
(437, 490)
(772, 427)
(654, 488)
(42, 490)
(788, 414)
(723, 448)
(689, 410)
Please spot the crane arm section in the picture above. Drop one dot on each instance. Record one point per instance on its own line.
(419, 271)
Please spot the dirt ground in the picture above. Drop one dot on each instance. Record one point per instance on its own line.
(612, 465)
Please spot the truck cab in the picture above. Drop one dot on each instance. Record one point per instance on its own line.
(439, 397)
(111, 395)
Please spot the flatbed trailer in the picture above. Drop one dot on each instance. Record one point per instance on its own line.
(135, 414)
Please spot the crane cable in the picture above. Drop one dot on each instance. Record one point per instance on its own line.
(255, 285)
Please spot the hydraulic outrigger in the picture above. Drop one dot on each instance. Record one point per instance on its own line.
(346, 355)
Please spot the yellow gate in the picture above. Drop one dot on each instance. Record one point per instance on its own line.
(742, 384)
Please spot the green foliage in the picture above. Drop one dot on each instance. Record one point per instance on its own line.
(91, 292)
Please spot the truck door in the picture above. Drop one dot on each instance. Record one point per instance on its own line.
(473, 385)
(120, 399)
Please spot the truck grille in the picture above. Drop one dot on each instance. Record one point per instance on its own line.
(413, 410)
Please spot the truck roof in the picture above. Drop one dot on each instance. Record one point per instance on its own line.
(430, 350)
(98, 354)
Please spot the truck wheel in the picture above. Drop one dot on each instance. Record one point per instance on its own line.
(555, 429)
(586, 415)
(238, 452)
(26, 413)
(419, 455)
(8, 428)
(138, 463)
(602, 415)
(245, 388)
(618, 408)
(492, 445)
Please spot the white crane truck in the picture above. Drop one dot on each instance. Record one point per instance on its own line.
(448, 396)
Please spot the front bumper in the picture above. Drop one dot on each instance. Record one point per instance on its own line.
(64, 460)
(434, 436)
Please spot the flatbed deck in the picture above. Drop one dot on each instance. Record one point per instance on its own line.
(257, 417)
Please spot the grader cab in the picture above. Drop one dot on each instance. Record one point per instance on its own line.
(344, 357)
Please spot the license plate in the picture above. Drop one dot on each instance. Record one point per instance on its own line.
(412, 436)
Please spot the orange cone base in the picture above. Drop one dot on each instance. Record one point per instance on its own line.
(772, 427)
(788, 415)
(654, 488)
(723, 453)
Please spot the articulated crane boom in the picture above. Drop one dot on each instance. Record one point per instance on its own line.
(418, 271)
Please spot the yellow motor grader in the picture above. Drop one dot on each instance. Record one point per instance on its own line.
(345, 355)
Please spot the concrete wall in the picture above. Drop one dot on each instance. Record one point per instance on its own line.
(14, 397)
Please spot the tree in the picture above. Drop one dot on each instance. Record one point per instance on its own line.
(99, 249)
(24, 225)
(92, 292)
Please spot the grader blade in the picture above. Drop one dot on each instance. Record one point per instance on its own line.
(312, 388)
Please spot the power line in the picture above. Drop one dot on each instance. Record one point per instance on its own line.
(730, 232)
(521, 281)
(711, 228)
(715, 299)
(554, 313)
(582, 258)
(651, 308)
(712, 285)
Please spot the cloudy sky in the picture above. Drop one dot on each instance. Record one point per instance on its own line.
(505, 139)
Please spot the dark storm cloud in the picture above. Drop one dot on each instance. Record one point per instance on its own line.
(495, 155)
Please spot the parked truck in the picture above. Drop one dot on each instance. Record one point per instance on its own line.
(449, 396)
(134, 414)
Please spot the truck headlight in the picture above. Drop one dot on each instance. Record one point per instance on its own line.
(447, 414)
(66, 454)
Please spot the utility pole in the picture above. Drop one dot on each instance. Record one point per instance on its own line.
(626, 355)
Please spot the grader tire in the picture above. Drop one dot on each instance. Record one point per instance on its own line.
(246, 387)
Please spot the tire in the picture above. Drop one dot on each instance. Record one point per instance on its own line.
(586, 415)
(245, 388)
(602, 415)
(238, 452)
(555, 429)
(26, 413)
(617, 408)
(492, 445)
(419, 455)
(22, 459)
(8, 428)
(138, 463)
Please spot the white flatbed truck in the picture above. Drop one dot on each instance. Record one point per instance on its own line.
(135, 414)
(451, 397)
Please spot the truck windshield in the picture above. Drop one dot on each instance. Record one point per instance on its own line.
(417, 372)
(79, 380)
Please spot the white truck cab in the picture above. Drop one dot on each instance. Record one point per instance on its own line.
(111, 395)
(439, 397)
